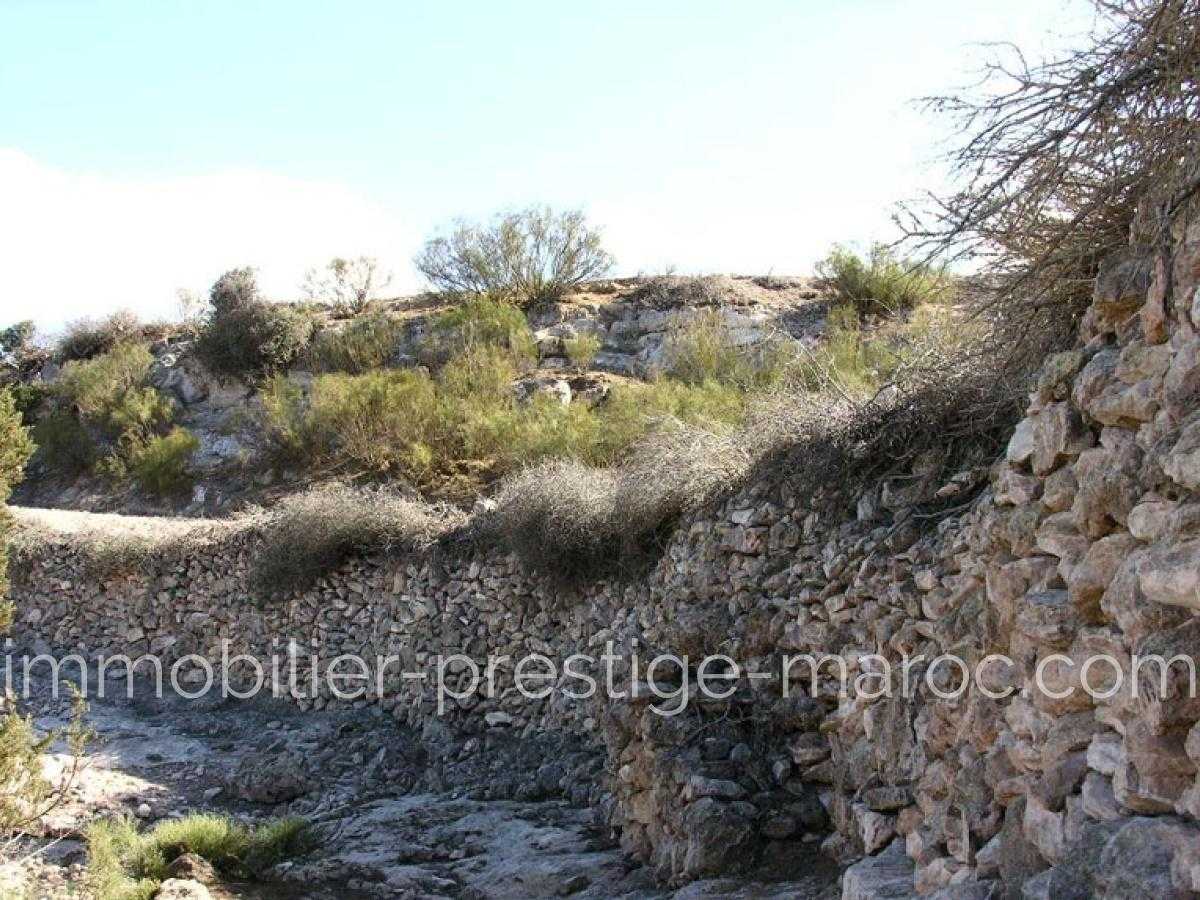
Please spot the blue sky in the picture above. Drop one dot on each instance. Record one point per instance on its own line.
(146, 146)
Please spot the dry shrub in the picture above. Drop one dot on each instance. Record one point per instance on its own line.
(574, 522)
(108, 555)
(349, 284)
(525, 257)
(86, 338)
(959, 414)
(673, 291)
(309, 535)
(1059, 160)
(703, 348)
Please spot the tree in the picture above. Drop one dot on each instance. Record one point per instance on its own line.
(350, 284)
(523, 257)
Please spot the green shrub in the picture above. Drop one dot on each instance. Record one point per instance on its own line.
(466, 419)
(29, 397)
(86, 338)
(702, 348)
(480, 321)
(882, 283)
(161, 465)
(106, 398)
(308, 535)
(127, 865)
(364, 344)
(523, 257)
(246, 337)
(582, 349)
(371, 421)
(66, 444)
(110, 391)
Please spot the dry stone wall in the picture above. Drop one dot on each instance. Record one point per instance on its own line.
(1085, 542)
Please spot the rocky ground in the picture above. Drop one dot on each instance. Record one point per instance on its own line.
(395, 813)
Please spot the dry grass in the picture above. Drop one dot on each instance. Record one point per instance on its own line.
(675, 291)
(309, 535)
(575, 521)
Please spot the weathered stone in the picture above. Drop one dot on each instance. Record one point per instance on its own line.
(1121, 286)
(181, 889)
(1151, 518)
(1044, 829)
(1168, 573)
(888, 876)
(1181, 385)
(1090, 578)
(717, 836)
(1182, 463)
(1058, 432)
(1138, 861)
(1099, 801)
(1048, 617)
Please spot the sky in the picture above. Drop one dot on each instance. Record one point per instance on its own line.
(145, 147)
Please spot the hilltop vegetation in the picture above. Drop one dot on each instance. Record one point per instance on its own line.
(447, 395)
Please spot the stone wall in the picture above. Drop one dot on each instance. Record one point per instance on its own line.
(1085, 542)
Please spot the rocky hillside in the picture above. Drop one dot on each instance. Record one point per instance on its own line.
(1042, 775)
(622, 327)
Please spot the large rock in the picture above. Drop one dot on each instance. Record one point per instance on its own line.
(1169, 573)
(1151, 858)
(1121, 286)
(717, 837)
(1182, 463)
(888, 876)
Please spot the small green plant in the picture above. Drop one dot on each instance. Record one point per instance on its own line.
(582, 349)
(522, 258)
(161, 465)
(882, 283)
(246, 337)
(362, 345)
(29, 397)
(125, 864)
